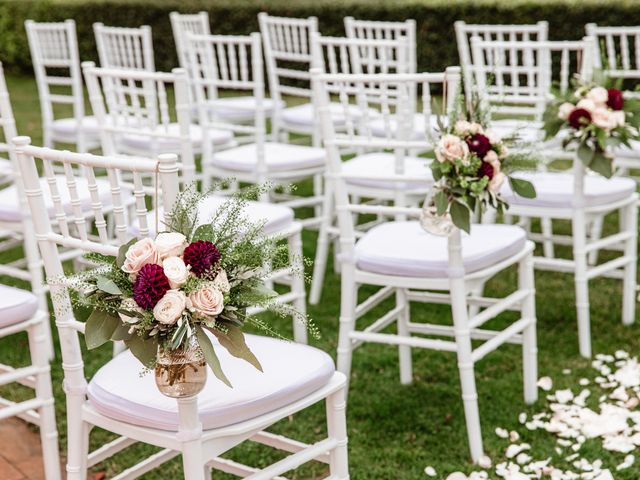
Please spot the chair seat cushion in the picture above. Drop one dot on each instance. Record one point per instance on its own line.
(172, 144)
(629, 152)
(555, 189)
(68, 127)
(419, 130)
(405, 249)
(6, 167)
(276, 218)
(305, 116)
(16, 305)
(278, 157)
(10, 210)
(291, 372)
(382, 164)
(242, 108)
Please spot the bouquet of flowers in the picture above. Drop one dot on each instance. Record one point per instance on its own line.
(166, 292)
(597, 119)
(472, 164)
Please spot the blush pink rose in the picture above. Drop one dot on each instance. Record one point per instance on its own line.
(141, 253)
(599, 96)
(603, 118)
(496, 182)
(208, 301)
(451, 148)
(565, 110)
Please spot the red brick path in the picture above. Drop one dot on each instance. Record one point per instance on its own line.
(20, 453)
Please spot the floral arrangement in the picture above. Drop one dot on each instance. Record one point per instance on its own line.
(472, 164)
(597, 119)
(166, 292)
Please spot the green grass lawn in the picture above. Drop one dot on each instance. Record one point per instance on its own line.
(396, 431)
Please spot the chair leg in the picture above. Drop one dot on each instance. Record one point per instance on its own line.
(190, 432)
(630, 224)
(337, 429)
(404, 351)
(297, 285)
(317, 192)
(77, 439)
(322, 247)
(546, 226)
(529, 341)
(581, 284)
(348, 299)
(595, 234)
(38, 342)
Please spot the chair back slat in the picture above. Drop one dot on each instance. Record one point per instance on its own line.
(183, 23)
(616, 50)
(129, 48)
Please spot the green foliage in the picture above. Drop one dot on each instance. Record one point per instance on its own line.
(434, 19)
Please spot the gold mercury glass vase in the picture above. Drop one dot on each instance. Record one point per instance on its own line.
(181, 372)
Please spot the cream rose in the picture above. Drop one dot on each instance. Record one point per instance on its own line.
(493, 137)
(619, 117)
(170, 244)
(207, 301)
(140, 254)
(565, 110)
(451, 148)
(130, 305)
(598, 95)
(221, 282)
(170, 307)
(492, 158)
(586, 103)
(496, 182)
(475, 128)
(176, 271)
(462, 128)
(602, 117)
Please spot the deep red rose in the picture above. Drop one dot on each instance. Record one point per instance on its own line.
(150, 286)
(479, 144)
(202, 256)
(485, 170)
(579, 118)
(615, 100)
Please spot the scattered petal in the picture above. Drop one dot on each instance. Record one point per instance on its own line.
(545, 383)
(430, 471)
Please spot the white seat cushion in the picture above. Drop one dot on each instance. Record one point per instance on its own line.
(6, 167)
(242, 109)
(291, 372)
(405, 249)
(172, 144)
(278, 157)
(275, 217)
(305, 116)
(629, 152)
(16, 305)
(67, 127)
(382, 164)
(555, 189)
(526, 132)
(419, 126)
(10, 208)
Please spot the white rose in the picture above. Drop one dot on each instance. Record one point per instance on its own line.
(496, 182)
(619, 117)
(475, 128)
(462, 128)
(603, 118)
(451, 148)
(565, 110)
(170, 244)
(130, 305)
(176, 271)
(598, 95)
(170, 307)
(207, 301)
(494, 138)
(492, 158)
(588, 104)
(221, 282)
(140, 254)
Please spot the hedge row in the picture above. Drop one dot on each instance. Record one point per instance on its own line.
(436, 40)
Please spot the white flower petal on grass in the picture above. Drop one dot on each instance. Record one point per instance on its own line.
(522, 418)
(545, 383)
(566, 371)
(484, 462)
(514, 449)
(502, 433)
(628, 461)
(584, 382)
(457, 476)
(482, 475)
(564, 396)
(430, 471)
(514, 436)
(604, 475)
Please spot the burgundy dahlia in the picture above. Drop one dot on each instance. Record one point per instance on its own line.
(485, 170)
(479, 144)
(579, 118)
(150, 286)
(615, 100)
(202, 256)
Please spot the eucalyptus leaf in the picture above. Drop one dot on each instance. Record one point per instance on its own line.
(203, 232)
(461, 216)
(210, 356)
(99, 328)
(122, 251)
(602, 165)
(522, 187)
(121, 332)
(144, 349)
(107, 285)
(585, 153)
(442, 202)
(233, 340)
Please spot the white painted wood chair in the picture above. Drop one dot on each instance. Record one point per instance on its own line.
(183, 23)
(579, 197)
(56, 64)
(379, 30)
(119, 400)
(414, 266)
(121, 47)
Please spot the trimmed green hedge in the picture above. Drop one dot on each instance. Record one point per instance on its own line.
(436, 39)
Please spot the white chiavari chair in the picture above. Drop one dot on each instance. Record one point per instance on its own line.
(377, 30)
(579, 197)
(183, 23)
(414, 266)
(121, 47)
(118, 399)
(56, 63)
(617, 54)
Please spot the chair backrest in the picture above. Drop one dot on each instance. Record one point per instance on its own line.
(68, 228)
(135, 104)
(120, 47)
(616, 50)
(287, 50)
(393, 93)
(377, 30)
(7, 120)
(229, 62)
(516, 77)
(183, 23)
(56, 63)
(512, 33)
